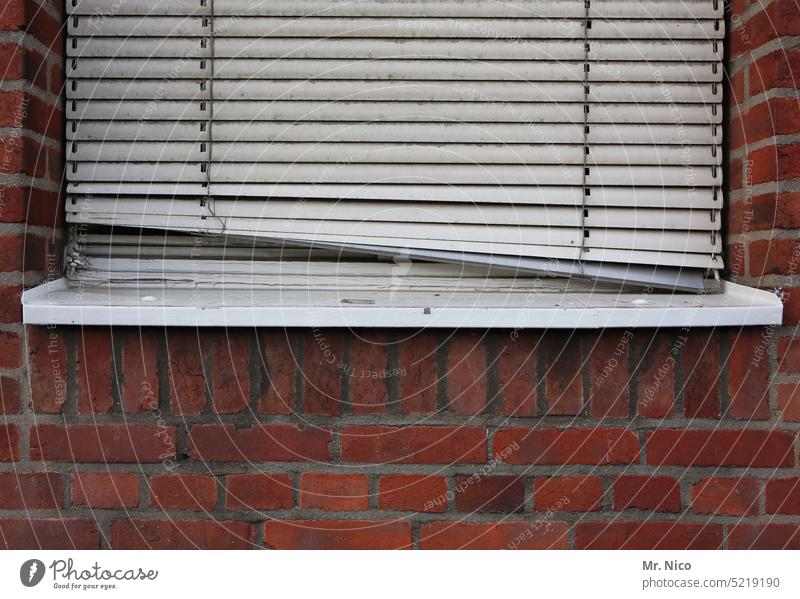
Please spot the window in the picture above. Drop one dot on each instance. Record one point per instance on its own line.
(376, 162)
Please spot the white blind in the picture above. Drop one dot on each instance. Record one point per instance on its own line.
(573, 137)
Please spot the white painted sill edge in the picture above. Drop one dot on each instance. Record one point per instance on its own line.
(55, 303)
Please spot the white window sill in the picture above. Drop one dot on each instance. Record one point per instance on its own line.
(553, 305)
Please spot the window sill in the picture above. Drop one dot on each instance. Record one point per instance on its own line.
(554, 305)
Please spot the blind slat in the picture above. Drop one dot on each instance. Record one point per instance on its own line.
(449, 70)
(650, 9)
(331, 27)
(376, 132)
(355, 112)
(399, 91)
(274, 48)
(389, 153)
(397, 211)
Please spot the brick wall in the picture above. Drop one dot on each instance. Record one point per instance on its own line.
(322, 438)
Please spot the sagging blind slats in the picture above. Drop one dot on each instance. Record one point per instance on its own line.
(573, 137)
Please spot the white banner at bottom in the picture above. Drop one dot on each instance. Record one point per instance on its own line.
(388, 575)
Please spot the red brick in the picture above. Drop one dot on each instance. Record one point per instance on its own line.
(736, 257)
(105, 443)
(570, 446)
(654, 373)
(737, 7)
(775, 70)
(47, 369)
(10, 303)
(56, 79)
(29, 16)
(789, 355)
(647, 535)
(738, 135)
(735, 172)
(44, 208)
(11, 248)
(369, 371)
(10, 394)
(19, 154)
(747, 448)
(13, 16)
(42, 253)
(194, 492)
(651, 493)
(10, 350)
(45, 119)
(413, 492)
(94, 371)
(414, 444)
(418, 381)
(563, 360)
(334, 534)
(9, 443)
(279, 364)
(19, 110)
(487, 536)
(701, 368)
(778, 19)
(230, 375)
(783, 496)
(322, 372)
(736, 88)
(55, 166)
(779, 210)
(38, 207)
(51, 533)
(13, 110)
(775, 163)
(181, 534)
(567, 493)
(764, 536)
(334, 492)
(493, 494)
(259, 492)
(12, 62)
(789, 401)
(466, 374)
(776, 116)
(749, 374)
(31, 491)
(517, 372)
(791, 305)
(609, 374)
(13, 204)
(259, 443)
(741, 219)
(726, 496)
(105, 490)
(773, 256)
(36, 68)
(187, 380)
(139, 385)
